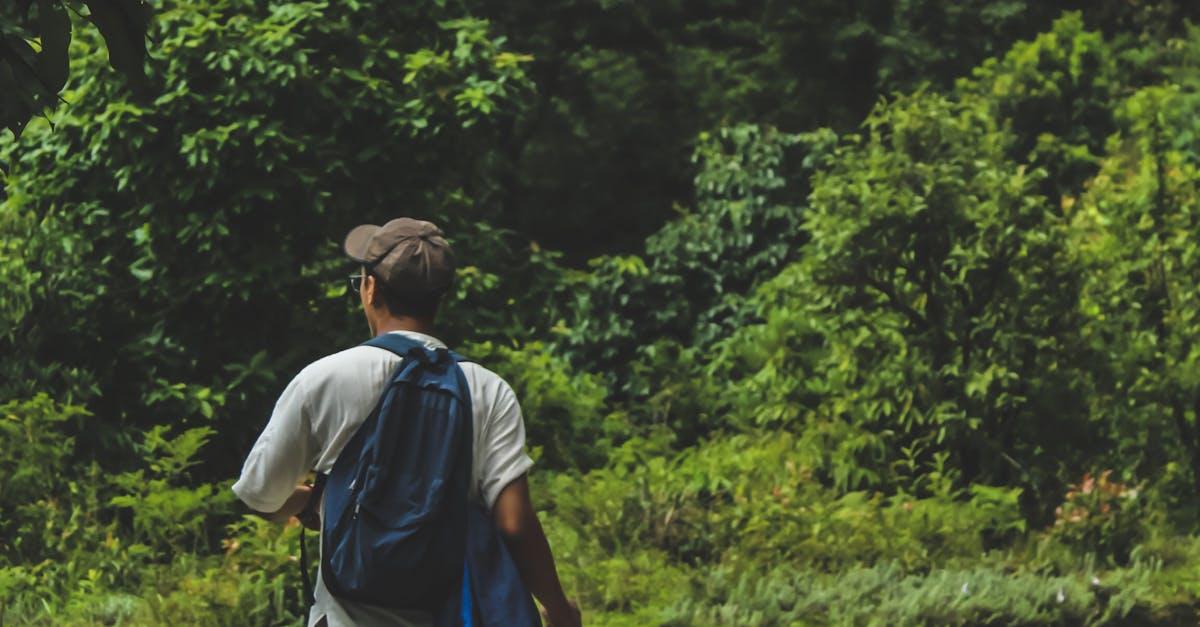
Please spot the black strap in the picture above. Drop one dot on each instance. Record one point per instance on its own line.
(314, 504)
(309, 598)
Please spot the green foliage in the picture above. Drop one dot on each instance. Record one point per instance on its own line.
(696, 270)
(15, 301)
(753, 499)
(43, 512)
(221, 168)
(594, 163)
(1101, 516)
(33, 72)
(889, 595)
(169, 516)
(565, 416)
(33, 453)
(1056, 92)
(933, 341)
(853, 375)
(920, 330)
(84, 547)
(1134, 230)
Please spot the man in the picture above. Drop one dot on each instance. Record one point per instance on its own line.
(407, 266)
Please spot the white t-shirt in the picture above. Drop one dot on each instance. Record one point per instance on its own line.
(319, 412)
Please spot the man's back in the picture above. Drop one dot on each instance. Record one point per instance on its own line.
(323, 407)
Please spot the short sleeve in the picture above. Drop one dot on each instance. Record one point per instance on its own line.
(503, 456)
(282, 456)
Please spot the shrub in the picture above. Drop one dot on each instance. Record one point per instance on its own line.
(1100, 515)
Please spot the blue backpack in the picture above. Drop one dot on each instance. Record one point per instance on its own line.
(397, 529)
(395, 520)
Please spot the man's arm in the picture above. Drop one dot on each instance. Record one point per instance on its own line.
(518, 522)
(280, 458)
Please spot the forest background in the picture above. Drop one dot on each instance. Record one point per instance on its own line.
(822, 312)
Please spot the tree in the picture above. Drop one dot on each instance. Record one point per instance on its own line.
(598, 160)
(1135, 231)
(157, 235)
(928, 326)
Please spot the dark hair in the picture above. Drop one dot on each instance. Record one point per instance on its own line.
(398, 304)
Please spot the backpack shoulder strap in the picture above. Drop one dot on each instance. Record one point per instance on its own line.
(400, 345)
(394, 342)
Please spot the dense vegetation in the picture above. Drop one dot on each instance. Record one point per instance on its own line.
(820, 312)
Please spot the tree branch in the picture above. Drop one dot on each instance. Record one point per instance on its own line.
(896, 302)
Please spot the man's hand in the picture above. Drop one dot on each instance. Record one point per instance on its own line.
(310, 518)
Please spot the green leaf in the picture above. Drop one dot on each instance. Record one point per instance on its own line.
(141, 274)
(53, 63)
(123, 25)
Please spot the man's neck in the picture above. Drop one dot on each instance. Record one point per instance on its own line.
(404, 323)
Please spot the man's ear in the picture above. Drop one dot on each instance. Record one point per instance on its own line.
(368, 289)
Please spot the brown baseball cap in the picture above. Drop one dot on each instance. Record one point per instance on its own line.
(410, 256)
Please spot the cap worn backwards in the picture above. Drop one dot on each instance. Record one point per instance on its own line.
(410, 256)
